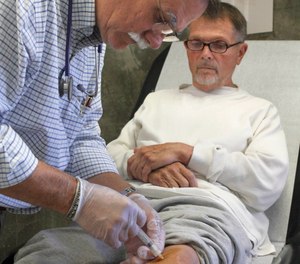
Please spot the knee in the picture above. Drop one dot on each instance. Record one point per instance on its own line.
(178, 254)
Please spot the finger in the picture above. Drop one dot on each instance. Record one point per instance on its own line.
(141, 218)
(163, 181)
(190, 177)
(145, 253)
(156, 232)
(180, 179)
(124, 235)
(170, 181)
(113, 242)
(112, 235)
(136, 219)
(155, 179)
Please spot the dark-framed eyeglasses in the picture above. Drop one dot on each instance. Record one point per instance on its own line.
(166, 26)
(215, 46)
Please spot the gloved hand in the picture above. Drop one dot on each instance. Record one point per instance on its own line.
(137, 252)
(108, 215)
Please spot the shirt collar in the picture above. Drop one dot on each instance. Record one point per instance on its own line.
(197, 92)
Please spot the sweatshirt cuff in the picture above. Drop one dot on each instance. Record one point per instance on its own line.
(202, 159)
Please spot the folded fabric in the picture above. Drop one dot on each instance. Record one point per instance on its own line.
(205, 225)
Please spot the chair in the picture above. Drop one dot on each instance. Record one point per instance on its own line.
(270, 69)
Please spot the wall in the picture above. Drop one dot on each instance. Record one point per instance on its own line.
(259, 14)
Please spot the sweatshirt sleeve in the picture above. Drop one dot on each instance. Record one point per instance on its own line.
(121, 149)
(258, 174)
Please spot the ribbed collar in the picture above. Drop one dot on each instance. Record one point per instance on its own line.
(225, 90)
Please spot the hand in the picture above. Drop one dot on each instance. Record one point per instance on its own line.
(173, 175)
(108, 215)
(137, 252)
(149, 158)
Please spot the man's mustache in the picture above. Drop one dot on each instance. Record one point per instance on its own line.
(206, 65)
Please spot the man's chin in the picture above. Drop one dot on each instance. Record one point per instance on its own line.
(206, 84)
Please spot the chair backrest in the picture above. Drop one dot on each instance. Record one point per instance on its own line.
(270, 69)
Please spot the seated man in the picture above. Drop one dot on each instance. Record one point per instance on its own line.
(211, 157)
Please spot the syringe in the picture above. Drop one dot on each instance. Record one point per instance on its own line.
(149, 243)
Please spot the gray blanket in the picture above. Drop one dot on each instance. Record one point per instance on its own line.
(201, 223)
(205, 225)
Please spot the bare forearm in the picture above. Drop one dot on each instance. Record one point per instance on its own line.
(47, 187)
(111, 180)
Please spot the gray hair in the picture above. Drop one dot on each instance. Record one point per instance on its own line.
(223, 10)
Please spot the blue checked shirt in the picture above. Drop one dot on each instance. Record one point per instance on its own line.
(35, 122)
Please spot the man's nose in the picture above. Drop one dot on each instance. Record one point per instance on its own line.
(206, 52)
(154, 39)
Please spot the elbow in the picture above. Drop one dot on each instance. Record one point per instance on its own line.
(269, 188)
(262, 199)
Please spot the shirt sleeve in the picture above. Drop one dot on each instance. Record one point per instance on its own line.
(89, 155)
(17, 162)
(256, 175)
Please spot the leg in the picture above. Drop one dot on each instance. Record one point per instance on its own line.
(68, 245)
(178, 254)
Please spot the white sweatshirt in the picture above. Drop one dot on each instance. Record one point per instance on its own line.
(240, 153)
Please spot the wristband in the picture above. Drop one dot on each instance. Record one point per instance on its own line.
(128, 191)
(73, 209)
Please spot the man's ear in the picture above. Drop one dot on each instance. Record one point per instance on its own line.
(242, 52)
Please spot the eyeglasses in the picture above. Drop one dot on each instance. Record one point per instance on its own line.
(166, 26)
(215, 46)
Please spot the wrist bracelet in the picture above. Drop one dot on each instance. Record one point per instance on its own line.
(128, 191)
(72, 211)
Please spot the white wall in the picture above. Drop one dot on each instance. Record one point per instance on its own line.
(258, 13)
